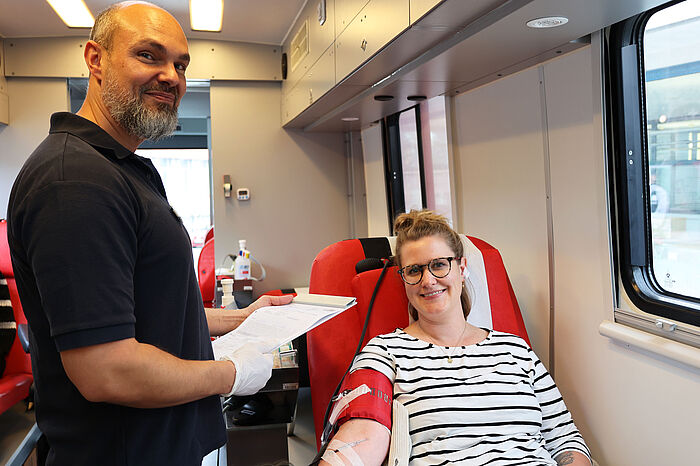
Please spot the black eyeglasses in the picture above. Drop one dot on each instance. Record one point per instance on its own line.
(440, 267)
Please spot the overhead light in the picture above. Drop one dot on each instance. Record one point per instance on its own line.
(350, 119)
(416, 98)
(206, 15)
(73, 12)
(383, 98)
(547, 22)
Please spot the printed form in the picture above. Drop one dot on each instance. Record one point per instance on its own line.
(270, 327)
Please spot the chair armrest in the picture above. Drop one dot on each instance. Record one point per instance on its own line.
(23, 335)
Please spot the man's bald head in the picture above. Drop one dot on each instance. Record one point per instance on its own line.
(107, 21)
(137, 56)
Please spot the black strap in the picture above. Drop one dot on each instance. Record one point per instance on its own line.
(376, 247)
(327, 428)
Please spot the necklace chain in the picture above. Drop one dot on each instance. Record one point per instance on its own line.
(452, 349)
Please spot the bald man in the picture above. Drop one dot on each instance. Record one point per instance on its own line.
(120, 342)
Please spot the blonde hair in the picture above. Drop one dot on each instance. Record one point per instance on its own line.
(418, 224)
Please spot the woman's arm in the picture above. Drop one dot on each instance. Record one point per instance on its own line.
(573, 458)
(366, 438)
(562, 438)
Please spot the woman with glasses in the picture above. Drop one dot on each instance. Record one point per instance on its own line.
(474, 396)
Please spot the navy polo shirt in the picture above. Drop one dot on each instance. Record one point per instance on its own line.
(99, 255)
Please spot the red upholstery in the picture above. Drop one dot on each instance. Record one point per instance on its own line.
(332, 345)
(15, 382)
(209, 235)
(279, 292)
(206, 273)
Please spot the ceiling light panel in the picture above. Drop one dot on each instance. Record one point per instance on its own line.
(74, 13)
(547, 22)
(206, 15)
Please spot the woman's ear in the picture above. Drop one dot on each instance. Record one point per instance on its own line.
(462, 265)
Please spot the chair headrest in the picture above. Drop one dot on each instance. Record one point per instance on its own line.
(5, 262)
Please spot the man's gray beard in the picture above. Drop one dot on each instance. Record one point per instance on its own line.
(137, 118)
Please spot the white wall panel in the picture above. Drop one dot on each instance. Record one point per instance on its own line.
(499, 165)
(375, 183)
(298, 184)
(32, 101)
(633, 408)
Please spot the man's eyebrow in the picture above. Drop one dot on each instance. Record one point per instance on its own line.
(161, 48)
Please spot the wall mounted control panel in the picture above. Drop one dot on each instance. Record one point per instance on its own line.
(243, 194)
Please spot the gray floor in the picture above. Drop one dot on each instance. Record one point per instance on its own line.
(302, 445)
(15, 424)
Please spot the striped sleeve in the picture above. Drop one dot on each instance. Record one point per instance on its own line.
(558, 427)
(375, 355)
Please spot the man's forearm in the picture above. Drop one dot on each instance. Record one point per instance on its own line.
(222, 321)
(130, 373)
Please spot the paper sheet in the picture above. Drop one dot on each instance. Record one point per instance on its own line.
(270, 327)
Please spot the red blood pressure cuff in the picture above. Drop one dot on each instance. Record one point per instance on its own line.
(375, 404)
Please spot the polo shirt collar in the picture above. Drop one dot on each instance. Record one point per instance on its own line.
(65, 122)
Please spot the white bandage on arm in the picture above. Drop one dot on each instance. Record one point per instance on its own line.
(337, 448)
(345, 400)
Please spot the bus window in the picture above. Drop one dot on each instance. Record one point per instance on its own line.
(411, 161)
(672, 81)
(416, 159)
(654, 77)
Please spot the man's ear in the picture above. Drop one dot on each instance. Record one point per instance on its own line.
(94, 55)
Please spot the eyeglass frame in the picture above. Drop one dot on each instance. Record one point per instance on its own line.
(424, 266)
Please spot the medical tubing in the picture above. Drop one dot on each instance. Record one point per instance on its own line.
(326, 427)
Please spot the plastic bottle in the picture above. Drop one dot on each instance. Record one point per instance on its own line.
(241, 266)
(227, 288)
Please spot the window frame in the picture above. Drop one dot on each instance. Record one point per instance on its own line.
(630, 175)
(393, 165)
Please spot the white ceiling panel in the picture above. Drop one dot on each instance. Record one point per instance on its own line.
(257, 21)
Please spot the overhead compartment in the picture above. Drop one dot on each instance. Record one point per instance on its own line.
(418, 8)
(345, 12)
(311, 36)
(319, 80)
(376, 24)
(455, 46)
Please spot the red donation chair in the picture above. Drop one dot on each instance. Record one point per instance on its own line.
(17, 378)
(206, 273)
(331, 346)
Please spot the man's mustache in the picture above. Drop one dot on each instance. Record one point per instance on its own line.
(161, 88)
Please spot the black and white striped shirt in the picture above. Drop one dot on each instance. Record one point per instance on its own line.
(494, 404)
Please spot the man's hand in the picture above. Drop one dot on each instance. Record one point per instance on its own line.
(222, 321)
(253, 370)
(264, 301)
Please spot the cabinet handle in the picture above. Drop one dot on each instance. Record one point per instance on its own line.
(363, 45)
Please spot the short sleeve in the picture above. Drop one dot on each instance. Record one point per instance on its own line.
(375, 355)
(558, 427)
(80, 241)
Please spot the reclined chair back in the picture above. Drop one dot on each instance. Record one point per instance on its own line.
(331, 346)
(17, 378)
(206, 273)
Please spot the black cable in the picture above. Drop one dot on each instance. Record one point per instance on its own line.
(326, 426)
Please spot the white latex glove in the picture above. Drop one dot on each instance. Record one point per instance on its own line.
(253, 370)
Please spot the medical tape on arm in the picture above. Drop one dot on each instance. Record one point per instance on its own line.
(343, 402)
(336, 447)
